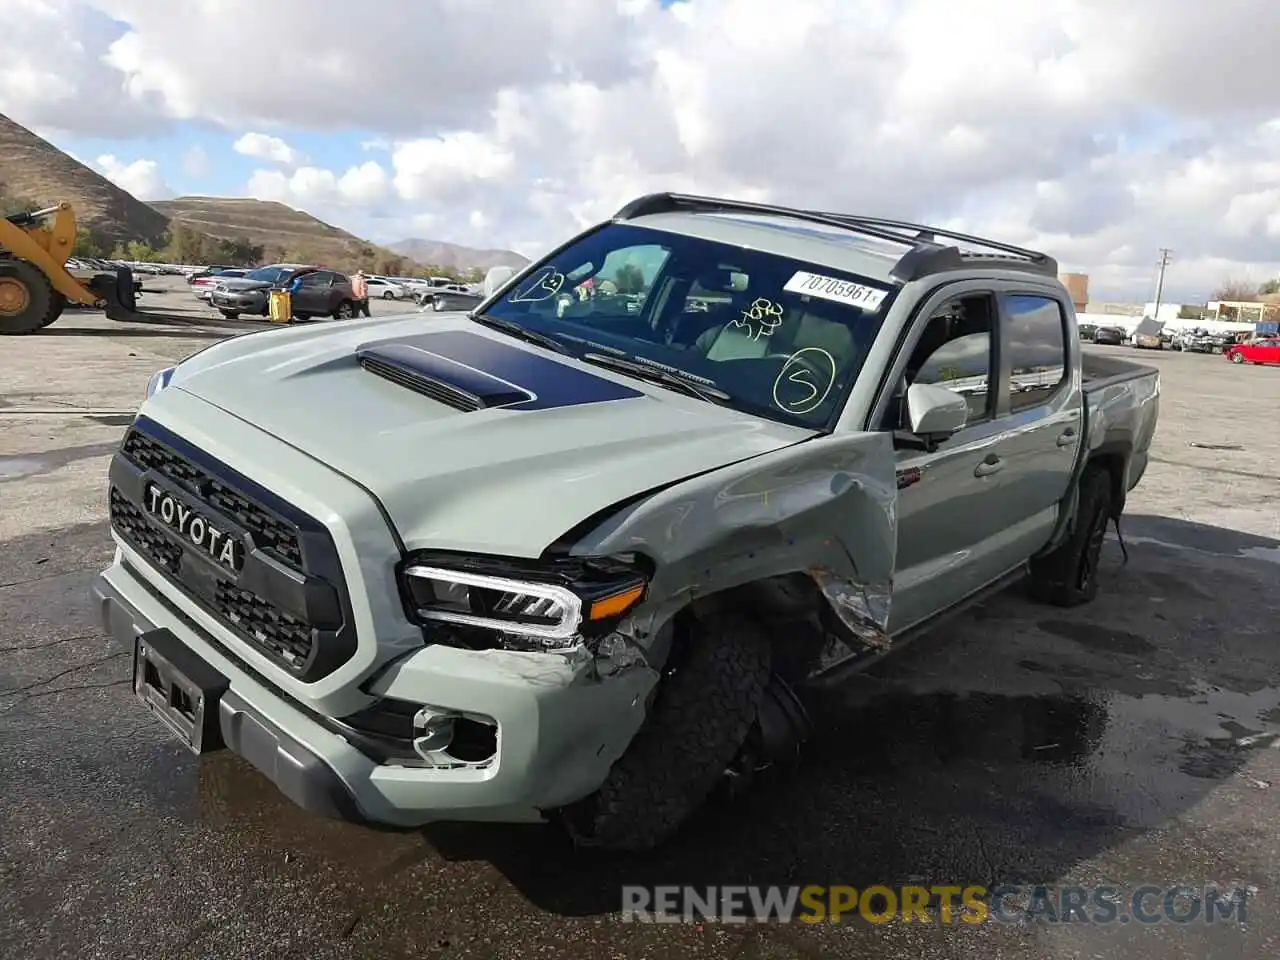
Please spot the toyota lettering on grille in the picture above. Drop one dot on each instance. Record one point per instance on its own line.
(196, 530)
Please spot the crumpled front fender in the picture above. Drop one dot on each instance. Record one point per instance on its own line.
(825, 507)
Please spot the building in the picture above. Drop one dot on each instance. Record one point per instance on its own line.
(1077, 285)
(1242, 311)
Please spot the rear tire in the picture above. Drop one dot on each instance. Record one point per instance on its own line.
(344, 311)
(388, 295)
(230, 314)
(704, 709)
(1068, 577)
(28, 301)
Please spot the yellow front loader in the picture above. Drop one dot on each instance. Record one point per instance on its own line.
(35, 285)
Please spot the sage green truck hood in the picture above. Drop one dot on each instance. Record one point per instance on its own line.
(558, 441)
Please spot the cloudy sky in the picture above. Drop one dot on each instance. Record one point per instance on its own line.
(1099, 130)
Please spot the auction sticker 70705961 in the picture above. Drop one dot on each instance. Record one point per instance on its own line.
(833, 288)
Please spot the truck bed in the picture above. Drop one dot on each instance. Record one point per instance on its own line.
(1122, 404)
(1099, 371)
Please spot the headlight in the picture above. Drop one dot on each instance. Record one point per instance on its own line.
(159, 380)
(547, 610)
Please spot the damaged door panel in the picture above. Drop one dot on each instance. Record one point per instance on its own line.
(825, 508)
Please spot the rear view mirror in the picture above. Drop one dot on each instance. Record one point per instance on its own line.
(935, 412)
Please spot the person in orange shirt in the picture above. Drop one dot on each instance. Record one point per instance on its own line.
(360, 291)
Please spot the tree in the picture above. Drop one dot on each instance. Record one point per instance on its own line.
(11, 205)
(1270, 287)
(89, 243)
(138, 252)
(1236, 290)
(629, 279)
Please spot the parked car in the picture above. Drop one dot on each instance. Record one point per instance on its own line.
(1149, 334)
(568, 562)
(208, 271)
(455, 296)
(202, 287)
(384, 289)
(1087, 330)
(314, 292)
(1264, 350)
(1112, 336)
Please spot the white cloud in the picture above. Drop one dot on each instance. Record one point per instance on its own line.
(1103, 131)
(263, 147)
(318, 190)
(142, 178)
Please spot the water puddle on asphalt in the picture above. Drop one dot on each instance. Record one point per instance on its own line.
(12, 468)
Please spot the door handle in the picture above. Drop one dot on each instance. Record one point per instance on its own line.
(992, 464)
(1067, 437)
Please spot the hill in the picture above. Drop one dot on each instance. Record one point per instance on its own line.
(456, 256)
(283, 232)
(261, 221)
(34, 169)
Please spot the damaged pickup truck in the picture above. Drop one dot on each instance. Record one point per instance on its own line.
(579, 554)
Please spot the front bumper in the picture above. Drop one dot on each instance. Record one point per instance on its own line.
(240, 303)
(560, 727)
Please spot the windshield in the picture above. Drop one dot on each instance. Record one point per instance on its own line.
(268, 274)
(783, 338)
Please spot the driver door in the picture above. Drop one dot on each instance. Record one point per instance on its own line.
(949, 514)
(312, 296)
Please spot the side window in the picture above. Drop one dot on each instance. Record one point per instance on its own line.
(955, 350)
(630, 271)
(313, 280)
(1037, 350)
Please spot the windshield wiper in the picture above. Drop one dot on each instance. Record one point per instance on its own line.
(643, 371)
(522, 333)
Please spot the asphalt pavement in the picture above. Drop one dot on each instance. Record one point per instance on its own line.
(1131, 742)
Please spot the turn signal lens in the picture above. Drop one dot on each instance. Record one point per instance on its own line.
(616, 604)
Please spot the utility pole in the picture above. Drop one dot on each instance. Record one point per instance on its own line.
(1164, 263)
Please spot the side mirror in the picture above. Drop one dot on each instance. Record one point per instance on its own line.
(935, 412)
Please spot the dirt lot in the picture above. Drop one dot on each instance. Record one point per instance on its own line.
(1128, 743)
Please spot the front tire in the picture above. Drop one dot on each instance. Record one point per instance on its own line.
(1068, 577)
(344, 311)
(28, 301)
(705, 706)
(1237, 358)
(437, 303)
(388, 295)
(230, 314)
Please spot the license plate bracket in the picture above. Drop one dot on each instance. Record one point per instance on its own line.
(180, 688)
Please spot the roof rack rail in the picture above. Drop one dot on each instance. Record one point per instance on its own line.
(688, 203)
(925, 255)
(998, 252)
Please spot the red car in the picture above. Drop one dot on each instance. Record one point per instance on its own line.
(1259, 351)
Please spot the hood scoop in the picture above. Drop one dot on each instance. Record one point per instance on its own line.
(443, 380)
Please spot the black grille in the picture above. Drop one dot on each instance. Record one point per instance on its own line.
(284, 637)
(135, 528)
(270, 533)
(297, 612)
